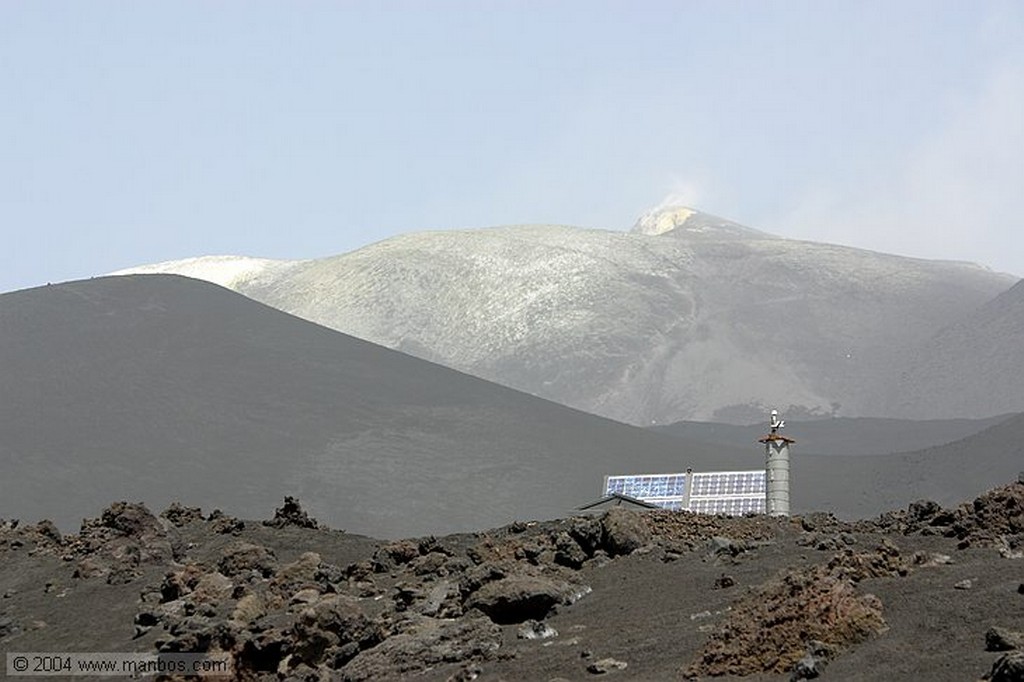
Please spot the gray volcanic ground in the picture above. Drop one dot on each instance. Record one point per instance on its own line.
(923, 593)
(857, 486)
(687, 317)
(974, 365)
(842, 435)
(161, 387)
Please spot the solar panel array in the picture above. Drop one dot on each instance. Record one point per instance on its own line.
(728, 492)
(727, 483)
(718, 492)
(665, 490)
(732, 506)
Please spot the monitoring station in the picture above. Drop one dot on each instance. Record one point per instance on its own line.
(761, 491)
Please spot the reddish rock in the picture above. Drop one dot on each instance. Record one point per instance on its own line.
(242, 557)
(624, 531)
(768, 630)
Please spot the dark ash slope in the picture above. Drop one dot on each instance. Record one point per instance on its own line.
(971, 368)
(860, 486)
(160, 388)
(843, 435)
(157, 388)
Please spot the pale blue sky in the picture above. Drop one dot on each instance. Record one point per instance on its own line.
(139, 132)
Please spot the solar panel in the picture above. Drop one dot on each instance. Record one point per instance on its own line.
(665, 490)
(716, 492)
(728, 483)
(728, 492)
(733, 506)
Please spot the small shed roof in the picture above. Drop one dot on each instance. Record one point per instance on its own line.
(616, 500)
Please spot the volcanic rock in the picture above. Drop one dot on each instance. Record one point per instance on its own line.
(427, 642)
(885, 561)
(224, 523)
(518, 598)
(624, 531)
(533, 629)
(1008, 668)
(291, 514)
(587, 531)
(177, 584)
(442, 600)
(767, 630)
(1010, 547)
(606, 665)
(724, 581)
(48, 530)
(332, 631)
(125, 537)
(813, 664)
(723, 547)
(244, 557)
(133, 520)
(394, 554)
(144, 621)
(180, 515)
(1002, 639)
(997, 513)
(308, 619)
(923, 511)
(212, 587)
(249, 608)
(304, 572)
(568, 551)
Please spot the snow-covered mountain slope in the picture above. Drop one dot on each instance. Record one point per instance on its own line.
(687, 317)
(232, 272)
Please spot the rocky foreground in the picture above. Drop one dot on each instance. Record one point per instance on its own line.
(923, 593)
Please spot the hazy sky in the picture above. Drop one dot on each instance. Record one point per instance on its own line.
(139, 132)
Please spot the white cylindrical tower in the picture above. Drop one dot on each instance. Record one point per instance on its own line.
(776, 465)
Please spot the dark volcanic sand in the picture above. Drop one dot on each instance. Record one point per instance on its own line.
(661, 589)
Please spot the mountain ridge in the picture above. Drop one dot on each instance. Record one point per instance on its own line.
(642, 329)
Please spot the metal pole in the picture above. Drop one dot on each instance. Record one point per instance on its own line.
(776, 469)
(776, 476)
